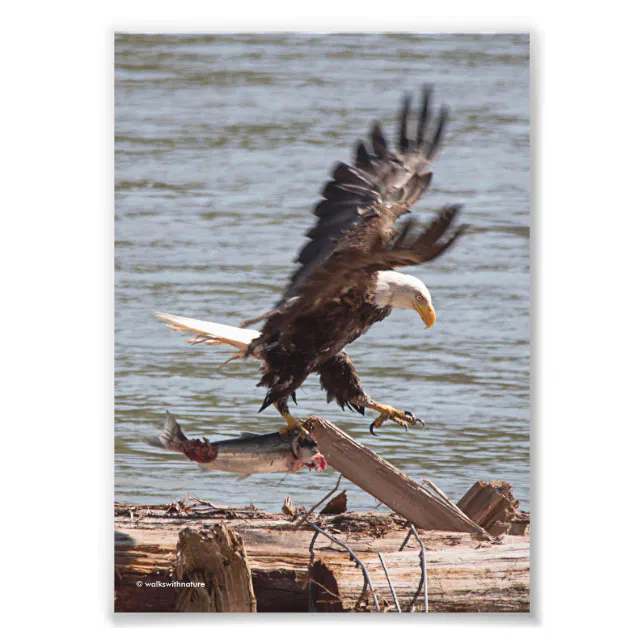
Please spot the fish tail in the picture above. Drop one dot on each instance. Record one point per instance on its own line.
(171, 438)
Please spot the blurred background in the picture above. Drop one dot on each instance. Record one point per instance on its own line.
(223, 143)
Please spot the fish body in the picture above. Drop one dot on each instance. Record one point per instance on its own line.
(249, 454)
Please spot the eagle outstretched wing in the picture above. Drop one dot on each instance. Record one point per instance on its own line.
(380, 187)
(355, 235)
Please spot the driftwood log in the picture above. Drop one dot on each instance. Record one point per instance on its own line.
(466, 571)
(383, 481)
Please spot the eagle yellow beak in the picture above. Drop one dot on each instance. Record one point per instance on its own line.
(426, 312)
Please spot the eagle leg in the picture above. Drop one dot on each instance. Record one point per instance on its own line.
(403, 418)
(291, 421)
(340, 380)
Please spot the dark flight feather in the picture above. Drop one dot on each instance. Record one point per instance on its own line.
(403, 141)
(424, 115)
(432, 146)
(335, 224)
(379, 142)
(344, 173)
(379, 177)
(363, 158)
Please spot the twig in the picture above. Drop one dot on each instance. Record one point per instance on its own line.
(353, 558)
(423, 567)
(308, 514)
(336, 598)
(312, 607)
(404, 543)
(363, 595)
(391, 587)
(200, 502)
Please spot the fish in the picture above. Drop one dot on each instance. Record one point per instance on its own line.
(250, 454)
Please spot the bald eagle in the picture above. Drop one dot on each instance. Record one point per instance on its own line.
(346, 280)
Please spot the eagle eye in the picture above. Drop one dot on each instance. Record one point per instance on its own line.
(419, 297)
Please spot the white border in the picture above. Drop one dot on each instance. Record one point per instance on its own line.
(57, 267)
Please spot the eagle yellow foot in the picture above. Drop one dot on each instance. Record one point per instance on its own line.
(293, 423)
(303, 432)
(403, 418)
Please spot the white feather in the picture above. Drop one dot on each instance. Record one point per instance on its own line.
(399, 290)
(211, 333)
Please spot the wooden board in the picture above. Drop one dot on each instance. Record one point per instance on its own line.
(385, 482)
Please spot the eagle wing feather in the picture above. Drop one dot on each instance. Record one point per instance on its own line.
(348, 267)
(355, 234)
(380, 187)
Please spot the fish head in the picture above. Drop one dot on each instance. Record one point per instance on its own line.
(306, 451)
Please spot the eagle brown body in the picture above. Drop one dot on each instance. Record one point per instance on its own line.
(315, 344)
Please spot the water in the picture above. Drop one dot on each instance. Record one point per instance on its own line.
(222, 145)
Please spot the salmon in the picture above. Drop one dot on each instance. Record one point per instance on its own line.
(249, 454)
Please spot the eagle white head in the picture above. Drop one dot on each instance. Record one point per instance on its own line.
(405, 292)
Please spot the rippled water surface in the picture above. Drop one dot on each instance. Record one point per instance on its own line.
(222, 145)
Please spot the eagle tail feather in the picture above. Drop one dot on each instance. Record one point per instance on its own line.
(211, 333)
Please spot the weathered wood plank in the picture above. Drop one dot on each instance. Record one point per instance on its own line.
(383, 481)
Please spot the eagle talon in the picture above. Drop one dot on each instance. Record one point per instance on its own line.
(304, 433)
(402, 418)
(415, 421)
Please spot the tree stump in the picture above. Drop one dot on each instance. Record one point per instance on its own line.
(217, 559)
